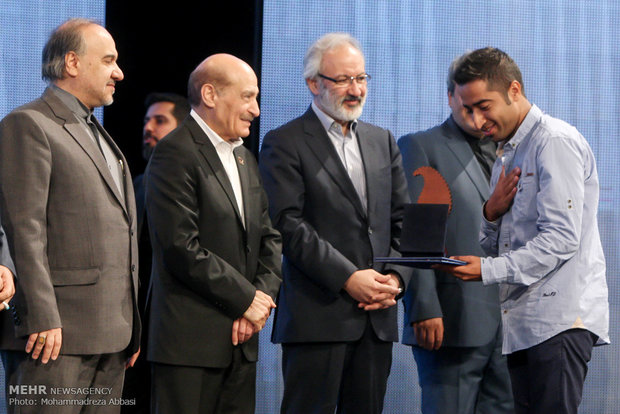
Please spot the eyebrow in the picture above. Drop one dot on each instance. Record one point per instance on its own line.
(477, 103)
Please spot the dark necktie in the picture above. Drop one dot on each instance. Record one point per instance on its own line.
(95, 131)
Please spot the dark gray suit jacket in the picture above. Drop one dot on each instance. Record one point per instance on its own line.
(207, 265)
(71, 234)
(326, 233)
(470, 311)
(5, 255)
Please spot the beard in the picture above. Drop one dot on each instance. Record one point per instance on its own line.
(147, 151)
(334, 105)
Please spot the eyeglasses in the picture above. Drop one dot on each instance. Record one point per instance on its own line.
(348, 80)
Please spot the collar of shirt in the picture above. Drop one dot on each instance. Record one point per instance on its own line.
(78, 108)
(328, 122)
(531, 120)
(216, 140)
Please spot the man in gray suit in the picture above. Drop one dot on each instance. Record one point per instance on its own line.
(69, 214)
(454, 326)
(336, 191)
(7, 272)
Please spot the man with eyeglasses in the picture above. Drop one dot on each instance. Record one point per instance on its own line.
(336, 189)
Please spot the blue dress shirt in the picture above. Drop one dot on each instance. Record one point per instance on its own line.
(546, 249)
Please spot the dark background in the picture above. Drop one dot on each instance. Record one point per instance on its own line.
(158, 48)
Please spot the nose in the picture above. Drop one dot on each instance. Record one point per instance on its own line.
(148, 126)
(254, 109)
(478, 119)
(117, 74)
(355, 88)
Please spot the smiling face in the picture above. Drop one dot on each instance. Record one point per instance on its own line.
(96, 72)
(495, 114)
(343, 103)
(236, 104)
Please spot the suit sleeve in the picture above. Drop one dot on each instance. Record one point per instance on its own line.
(269, 271)
(25, 171)
(282, 172)
(5, 256)
(173, 214)
(399, 197)
(421, 299)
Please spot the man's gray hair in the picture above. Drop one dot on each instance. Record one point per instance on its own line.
(329, 41)
(64, 39)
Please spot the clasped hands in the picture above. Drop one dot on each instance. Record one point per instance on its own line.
(372, 289)
(254, 318)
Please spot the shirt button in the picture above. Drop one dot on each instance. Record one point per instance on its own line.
(133, 268)
(505, 311)
(369, 230)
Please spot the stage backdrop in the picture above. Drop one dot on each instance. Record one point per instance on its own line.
(568, 53)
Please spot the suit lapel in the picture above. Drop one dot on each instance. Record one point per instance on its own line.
(320, 144)
(463, 153)
(368, 147)
(245, 184)
(76, 130)
(209, 153)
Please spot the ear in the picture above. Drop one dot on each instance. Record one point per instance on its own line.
(208, 94)
(72, 64)
(514, 90)
(313, 85)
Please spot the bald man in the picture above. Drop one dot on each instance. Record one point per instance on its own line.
(216, 269)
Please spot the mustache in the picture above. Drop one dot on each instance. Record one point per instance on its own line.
(352, 98)
(248, 118)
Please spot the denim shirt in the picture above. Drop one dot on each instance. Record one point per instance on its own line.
(546, 249)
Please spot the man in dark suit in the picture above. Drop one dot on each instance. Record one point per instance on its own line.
(336, 189)
(164, 112)
(69, 214)
(216, 256)
(7, 272)
(454, 326)
(7, 290)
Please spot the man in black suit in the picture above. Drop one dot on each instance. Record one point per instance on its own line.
(164, 112)
(336, 189)
(216, 268)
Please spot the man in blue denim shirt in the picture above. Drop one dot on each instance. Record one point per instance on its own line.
(539, 227)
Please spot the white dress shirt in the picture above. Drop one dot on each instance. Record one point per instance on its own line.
(225, 150)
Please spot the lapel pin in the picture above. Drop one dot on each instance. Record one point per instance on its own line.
(240, 160)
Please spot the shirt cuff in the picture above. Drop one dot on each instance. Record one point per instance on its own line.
(493, 270)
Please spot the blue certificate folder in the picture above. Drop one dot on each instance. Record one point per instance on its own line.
(423, 237)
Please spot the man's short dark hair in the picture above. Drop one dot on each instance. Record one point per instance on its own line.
(491, 65)
(181, 106)
(64, 39)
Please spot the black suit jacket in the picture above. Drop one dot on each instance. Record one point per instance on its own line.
(326, 233)
(207, 264)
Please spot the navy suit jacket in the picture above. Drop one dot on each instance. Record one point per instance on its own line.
(326, 233)
(470, 310)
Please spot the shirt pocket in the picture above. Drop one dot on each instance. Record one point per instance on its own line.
(524, 203)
